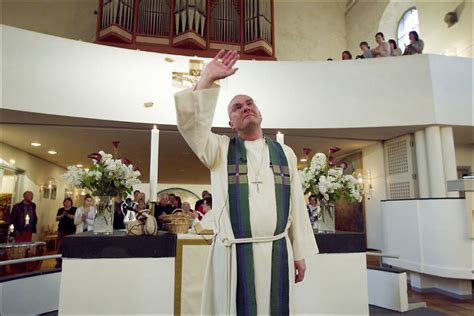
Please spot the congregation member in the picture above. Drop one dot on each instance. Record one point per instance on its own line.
(171, 199)
(366, 52)
(204, 195)
(177, 202)
(207, 219)
(66, 226)
(264, 207)
(346, 55)
(416, 44)
(396, 51)
(84, 216)
(313, 210)
(383, 49)
(163, 207)
(120, 212)
(23, 218)
(132, 214)
(188, 210)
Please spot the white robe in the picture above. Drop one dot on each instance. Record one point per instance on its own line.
(195, 112)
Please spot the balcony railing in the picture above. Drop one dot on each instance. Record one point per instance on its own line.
(189, 27)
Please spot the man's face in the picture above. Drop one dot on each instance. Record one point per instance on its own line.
(205, 194)
(164, 200)
(244, 114)
(379, 39)
(28, 196)
(136, 195)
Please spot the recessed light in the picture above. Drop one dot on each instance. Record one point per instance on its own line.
(12, 161)
(303, 159)
(35, 144)
(52, 152)
(79, 165)
(148, 104)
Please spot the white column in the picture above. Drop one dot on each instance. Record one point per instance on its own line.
(422, 164)
(434, 152)
(449, 157)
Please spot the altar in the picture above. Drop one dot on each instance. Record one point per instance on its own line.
(163, 274)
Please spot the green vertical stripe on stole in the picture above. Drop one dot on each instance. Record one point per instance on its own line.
(240, 220)
(280, 275)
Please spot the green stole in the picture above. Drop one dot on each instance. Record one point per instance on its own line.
(238, 189)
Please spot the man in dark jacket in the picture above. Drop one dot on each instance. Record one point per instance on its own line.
(24, 219)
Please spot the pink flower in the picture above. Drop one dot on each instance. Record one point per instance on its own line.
(332, 161)
(95, 156)
(115, 143)
(135, 168)
(307, 151)
(125, 161)
(333, 150)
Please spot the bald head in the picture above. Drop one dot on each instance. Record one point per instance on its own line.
(245, 117)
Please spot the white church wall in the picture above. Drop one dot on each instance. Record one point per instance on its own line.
(58, 76)
(373, 161)
(439, 39)
(309, 30)
(38, 172)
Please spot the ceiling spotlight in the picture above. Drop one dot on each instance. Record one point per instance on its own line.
(148, 104)
(35, 144)
(52, 152)
(79, 165)
(303, 159)
(12, 161)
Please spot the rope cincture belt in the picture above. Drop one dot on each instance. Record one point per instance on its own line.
(229, 242)
(239, 208)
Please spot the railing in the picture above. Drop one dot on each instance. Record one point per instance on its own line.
(29, 259)
(189, 27)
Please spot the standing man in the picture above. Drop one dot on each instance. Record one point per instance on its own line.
(263, 233)
(383, 49)
(24, 219)
(204, 194)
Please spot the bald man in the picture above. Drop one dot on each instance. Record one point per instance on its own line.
(263, 231)
(24, 219)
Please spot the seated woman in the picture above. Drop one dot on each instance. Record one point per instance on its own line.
(84, 217)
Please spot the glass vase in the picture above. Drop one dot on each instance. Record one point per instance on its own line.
(326, 218)
(104, 217)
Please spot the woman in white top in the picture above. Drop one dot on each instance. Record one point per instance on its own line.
(84, 217)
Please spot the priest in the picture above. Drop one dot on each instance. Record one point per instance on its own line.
(263, 233)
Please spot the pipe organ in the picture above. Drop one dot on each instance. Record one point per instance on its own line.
(189, 27)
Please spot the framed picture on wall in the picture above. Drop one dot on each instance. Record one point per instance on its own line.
(53, 192)
(46, 192)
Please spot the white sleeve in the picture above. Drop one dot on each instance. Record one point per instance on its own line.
(194, 113)
(78, 215)
(301, 233)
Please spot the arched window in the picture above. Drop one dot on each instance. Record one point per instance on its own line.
(409, 22)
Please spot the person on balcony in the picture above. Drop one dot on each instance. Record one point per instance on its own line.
(416, 44)
(383, 49)
(393, 46)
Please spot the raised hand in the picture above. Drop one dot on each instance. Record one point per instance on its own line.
(222, 66)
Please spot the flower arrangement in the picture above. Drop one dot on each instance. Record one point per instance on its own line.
(108, 175)
(325, 178)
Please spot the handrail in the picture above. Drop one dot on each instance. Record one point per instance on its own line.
(30, 259)
(375, 254)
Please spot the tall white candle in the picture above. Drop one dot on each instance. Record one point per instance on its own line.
(280, 138)
(154, 147)
(11, 228)
(27, 219)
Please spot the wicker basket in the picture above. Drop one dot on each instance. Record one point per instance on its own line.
(178, 222)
